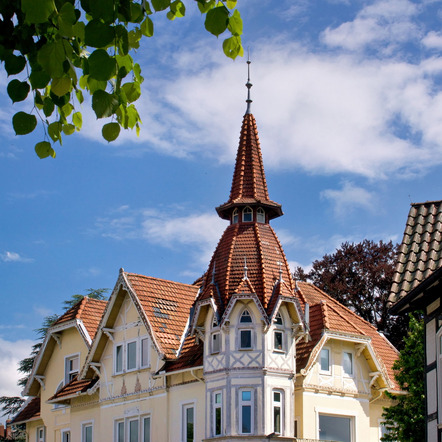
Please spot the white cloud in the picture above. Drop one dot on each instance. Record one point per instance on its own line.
(433, 40)
(349, 198)
(12, 352)
(13, 257)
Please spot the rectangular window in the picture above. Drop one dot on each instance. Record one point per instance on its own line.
(278, 340)
(145, 352)
(131, 363)
(335, 428)
(188, 423)
(86, 433)
(325, 360)
(347, 363)
(146, 429)
(72, 365)
(65, 436)
(245, 337)
(277, 407)
(119, 359)
(41, 434)
(119, 431)
(217, 414)
(215, 342)
(245, 412)
(133, 430)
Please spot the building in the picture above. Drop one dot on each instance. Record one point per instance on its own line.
(417, 285)
(245, 353)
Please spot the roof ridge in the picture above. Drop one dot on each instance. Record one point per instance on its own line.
(324, 309)
(159, 279)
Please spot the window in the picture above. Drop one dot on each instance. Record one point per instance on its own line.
(245, 317)
(245, 335)
(146, 429)
(235, 216)
(245, 411)
(260, 215)
(188, 423)
(119, 359)
(145, 352)
(86, 433)
(247, 215)
(71, 365)
(41, 434)
(59, 387)
(119, 431)
(65, 436)
(134, 429)
(217, 413)
(277, 411)
(347, 363)
(324, 360)
(335, 428)
(215, 342)
(133, 425)
(278, 334)
(131, 354)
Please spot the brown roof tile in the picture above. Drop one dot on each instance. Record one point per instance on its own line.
(74, 387)
(420, 253)
(328, 314)
(191, 355)
(30, 411)
(167, 306)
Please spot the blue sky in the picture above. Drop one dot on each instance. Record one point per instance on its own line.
(348, 100)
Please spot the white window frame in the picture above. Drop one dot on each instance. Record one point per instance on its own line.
(68, 373)
(247, 211)
(124, 345)
(127, 343)
(352, 358)
(40, 434)
(235, 216)
(143, 350)
(278, 404)
(58, 405)
(129, 420)
(117, 424)
(245, 327)
(184, 408)
(321, 370)
(246, 403)
(126, 428)
(260, 215)
(217, 406)
(215, 342)
(117, 357)
(142, 432)
(66, 432)
(278, 330)
(346, 413)
(84, 426)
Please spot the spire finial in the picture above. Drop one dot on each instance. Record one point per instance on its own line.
(248, 84)
(245, 268)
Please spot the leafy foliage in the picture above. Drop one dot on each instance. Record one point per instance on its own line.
(360, 277)
(405, 420)
(9, 406)
(67, 47)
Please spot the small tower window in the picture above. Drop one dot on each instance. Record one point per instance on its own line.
(260, 215)
(245, 317)
(235, 216)
(278, 319)
(247, 215)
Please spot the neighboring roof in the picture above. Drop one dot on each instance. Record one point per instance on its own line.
(88, 310)
(31, 410)
(73, 388)
(327, 314)
(191, 356)
(249, 184)
(167, 306)
(420, 253)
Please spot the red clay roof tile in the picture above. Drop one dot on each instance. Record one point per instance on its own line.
(30, 411)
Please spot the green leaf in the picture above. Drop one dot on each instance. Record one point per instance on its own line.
(23, 123)
(98, 35)
(178, 8)
(39, 79)
(66, 110)
(66, 20)
(102, 9)
(170, 15)
(147, 27)
(205, 6)
(95, 85)
(124, 61)
(110, 131)
(132, 91)
(52, 55)
(44, 150)
(18, 90)
(61, 86)
(54, 131)
(231, 4)
(104, 104)
(232, 47)
(235, 23)
(160, 5)
(48, 106)
(14, 64)
(102, 66)
(68, 129)
(134, 38)
(137, 73)
(136, 12)
(79, 95)
(217, 20)
(37, 11)
(77, 120)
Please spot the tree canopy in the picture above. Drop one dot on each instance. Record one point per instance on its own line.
(360, 277)
(63, 49)
(406, 419)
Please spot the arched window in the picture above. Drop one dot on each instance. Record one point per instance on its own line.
(247, 215)
(278, 319)
(260, 215)
(235, 216)
(245, 317)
